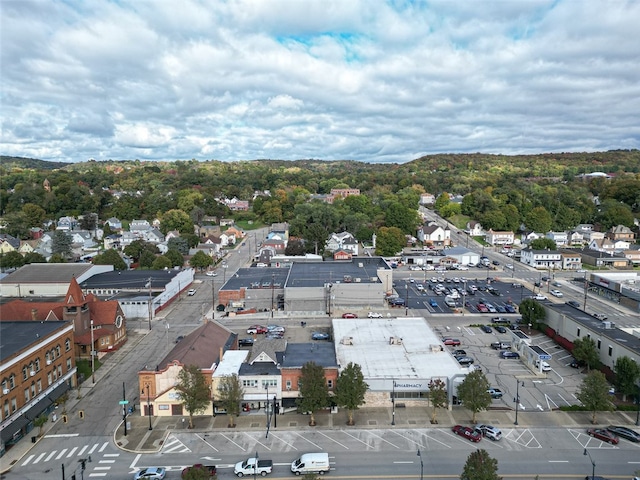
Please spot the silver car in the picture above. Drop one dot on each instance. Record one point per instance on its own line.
(489, 431)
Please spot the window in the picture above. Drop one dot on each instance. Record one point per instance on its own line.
(610, 350)
(12, 382)
(598, 344)
(47, 358)
(33, 389)
(26, 394)
(7, 412)
(330, 384)
(39, 383)
(14, 405)
(578, 334)
(25, 373)
(4, 384)
(37, 364)
(68, 364)
(288, 384)
(67, 345)
(60, 370)
(49, 378)
(250, 383)
(58, 351)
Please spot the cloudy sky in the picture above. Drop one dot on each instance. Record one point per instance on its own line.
(364, 80)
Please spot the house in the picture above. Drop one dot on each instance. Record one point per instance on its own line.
(499, 238)
(66, 223)
(575, 238)
(114, 223)
(138, 225)
(112, 241)
(433, 234)
(621, 232)
(8, 243)
(598, 258)
(474, 228)
(541, 258)
(632, 255)
(342, 254)
(602, 245)
(235, 231)
(280, 229)
(571, 260)
(342, 241)
(261, 372)
(225, 222)
(341, 193)
(153, 235)
(560, 238)
(427, 199)
(236, 205)
(35, 233)
(28, 246)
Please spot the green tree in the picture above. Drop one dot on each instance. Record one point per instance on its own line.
(110, 257)
(543, 243)
(473, 392)
(450, 209)
(34, 214)
(11, 260)
(627, 373)
(389, 241)
(161, 262)
(402, 217)
(438, 396)
(350, 389)
(62, 400)
(480, 466)
(193, 390)
(442, 201)
(137, 247)
(61, 244)
(538, 220)
(585, 351)
(34, 257)
(146, 259)
(593, 393)
(40, 421)
(532, 312)
(200, 260)
(197, 472)
(230, 394)
(176, 220)
(175, 257)
(58, 258)
(314, 393)
(294, 247)
(180, 244)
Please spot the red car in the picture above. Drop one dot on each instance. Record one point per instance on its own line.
(349, 315)
(604, 435)
(451, 341)
(467, 432)
(257, 329)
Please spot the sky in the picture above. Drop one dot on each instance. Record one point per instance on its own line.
(366, 80)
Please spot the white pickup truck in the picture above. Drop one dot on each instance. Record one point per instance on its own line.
(249, 467)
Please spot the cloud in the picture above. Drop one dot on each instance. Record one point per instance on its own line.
(371, 81)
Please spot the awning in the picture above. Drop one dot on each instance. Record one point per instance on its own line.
(10, 430)
(38, 408)
(58, 391)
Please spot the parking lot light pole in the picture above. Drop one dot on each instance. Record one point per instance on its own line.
(517, 399)
(593, 464)
(421, 466)
(393, 403)
(406, 300)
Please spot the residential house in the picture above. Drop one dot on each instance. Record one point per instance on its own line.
(112, 241)
(114, 224)
(153, 235)
(235, 231)
(28, 246)
(225, 222)
(575, 238)
(493, 237)
(274, 243)
(599, 258)
(342, 241)
(474, 228)
(541, 258)
(8, 243)
(621, 232)
(427, 199)
(633, 256)
(139, 225)
(602, 245)
(209, 229)
(66, 223)
(280, 229)
(36, 233)
(434, 235)
(236, 205)
(571, 260)
(262, 372)
(560, 238)
(341, 193)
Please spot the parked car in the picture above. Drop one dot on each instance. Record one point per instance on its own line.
(495, 393)
(151, 473)
(489, 431)
(319, 336)
(374, 315)
(556, 293)
(500, 320)
(573, 303)
(467, 432)
(464, 360)
(539, 296)
(600, 316)
(433, 303)
(458, 352)
(486, 328)
(501, 345)
(509, 308)
(482, 308)
(575, 363)
(349, 315)
(212, 274)
(245, 342)
(451, 341)
(275, 328)
(191, 292)
(604, 435)
(509, 354)
(179, 338)
(500, 329)
(257, 329)
(624, 432)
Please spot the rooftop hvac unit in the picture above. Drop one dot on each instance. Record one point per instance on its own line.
(395, 341)
(358, 280)
(360, 264)
(347, 341)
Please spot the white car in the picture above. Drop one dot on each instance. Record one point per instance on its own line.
(374, 315)
(191, 292)
(539, 296)
(212, 274)
(556, 293)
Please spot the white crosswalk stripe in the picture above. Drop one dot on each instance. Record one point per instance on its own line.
(73, 452)
(173, 445)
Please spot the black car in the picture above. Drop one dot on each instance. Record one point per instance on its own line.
(573, 303)
(500, 329)
(319, 336)
(625, 432)
(459, 352)
(180, 338)
(245, 342)
(486, 328)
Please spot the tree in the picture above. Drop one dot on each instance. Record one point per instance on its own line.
(473, 392)
(176, 220)
(178, 243)
(62, 400)
(593, 393)
(57, 258)
(11, 260)
(146, 259)
(438, 395)
(230, 394)
(480, 466)
(193, 390)
(389, 241)
(442, 200)
(200, 260)
(110, 257)
(538, 220)
(197, 472)
(543, 244)
(40, 421)
(585, 351)
(34, 257)
(175, 257)
(532, 312)
(61, 244)
(350, 389)
(35, 214)
(314, 393)
(294, 247)
(627, 373)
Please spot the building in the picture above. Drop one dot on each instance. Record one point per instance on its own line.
(342, 241)
(434, 235)
(541, 258)
(493, 237)
(37, 366)
(597, 258)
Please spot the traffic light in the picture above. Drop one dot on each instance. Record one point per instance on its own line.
(84, 464)
(81, 414)
(65, 419)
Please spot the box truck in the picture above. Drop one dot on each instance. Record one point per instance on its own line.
(311, 463)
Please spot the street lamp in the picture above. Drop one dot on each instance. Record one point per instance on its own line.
(393, 403)
(516, 400)
(266, 406)
(273, 277)
(406, 300)
(255, 466)
(93, 359)
(593, 464)
(148, 406)
(421, 466)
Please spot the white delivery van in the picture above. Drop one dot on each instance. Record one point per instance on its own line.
(311, 463)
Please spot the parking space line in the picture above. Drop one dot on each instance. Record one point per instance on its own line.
(549, 402)
(305, 438)
(383, 439)
(212, 447)
(286, 443)
(237, 445)
(333, 440)
(257, 441)
(356, 438)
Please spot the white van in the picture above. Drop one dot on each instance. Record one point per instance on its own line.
(545, 366)
(311, 463)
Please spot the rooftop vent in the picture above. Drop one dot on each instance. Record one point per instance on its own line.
(347, 341)
(395, 341)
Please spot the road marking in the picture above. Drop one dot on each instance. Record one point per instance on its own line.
(50, 455)
(237, 445)
(93, 449)
(62, 452)
(405, 462)
(73, 450)
(306, 439)
(564, 399)
(102, 468)
(111, 454)
(82, 451)
(283, 441)
(98, 474)
(173, 445)
(39, 457)
(257, 441)
(135, 460)
(355, 438)
(558, 461)
(333, 440)
(29, 458)
(107, 461)
(61, 435)
(211, 446)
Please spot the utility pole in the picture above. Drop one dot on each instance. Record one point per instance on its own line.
(124, 409)
(150, 306)
(93, 357)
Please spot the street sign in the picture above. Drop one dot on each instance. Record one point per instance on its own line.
(123, 402)
(545, 357)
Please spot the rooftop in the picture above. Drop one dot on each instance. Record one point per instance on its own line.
(17, 336)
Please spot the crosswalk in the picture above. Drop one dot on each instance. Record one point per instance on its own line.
(173, 445)
(99, 465)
